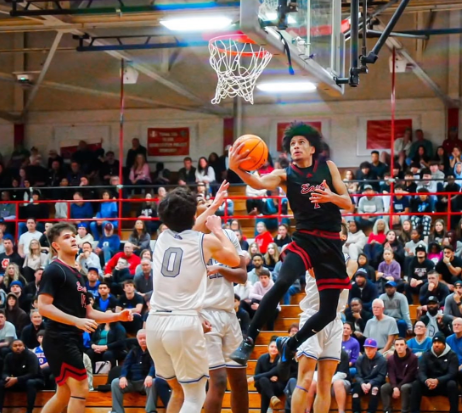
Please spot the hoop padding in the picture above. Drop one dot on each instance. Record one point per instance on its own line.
(238, 62)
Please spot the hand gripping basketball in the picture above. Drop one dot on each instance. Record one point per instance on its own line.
(249, 153)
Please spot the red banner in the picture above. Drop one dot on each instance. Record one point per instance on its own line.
(284, 125)
(379, 132)
(168, 141)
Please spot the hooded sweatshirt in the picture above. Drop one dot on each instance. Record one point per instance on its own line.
(402, 370)
(16, 316)
(371, 371)
(443, 367)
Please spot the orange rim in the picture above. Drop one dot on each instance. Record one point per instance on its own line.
(238, 38)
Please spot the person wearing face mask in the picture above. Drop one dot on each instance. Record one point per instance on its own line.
(437, 375)
(420, 343)
(435, 320)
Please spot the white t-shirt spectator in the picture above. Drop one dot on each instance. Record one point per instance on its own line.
(205, 177)
(27, 237)
(8, 331)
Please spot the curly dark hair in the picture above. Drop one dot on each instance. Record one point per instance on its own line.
(178, 209)
(302, 129)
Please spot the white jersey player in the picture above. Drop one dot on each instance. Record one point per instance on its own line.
(323, 349)
(175, 336)
(225, 335)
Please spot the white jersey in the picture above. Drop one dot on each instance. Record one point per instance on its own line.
(220, 291)
(310, 303)
(179, 272)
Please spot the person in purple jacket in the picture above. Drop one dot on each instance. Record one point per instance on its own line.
(389, 270)
(402, 369)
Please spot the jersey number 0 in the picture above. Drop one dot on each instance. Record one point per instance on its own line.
(171, 262)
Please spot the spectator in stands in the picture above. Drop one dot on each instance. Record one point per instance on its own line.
(132, 300)
(17, 288)
(105, 300)
(12, 274)
(377, 167)
(7, 210)
(402, 369)
(421, 342)
(438, 233)
(355, 242)
(417, 272)
(107, 343)
(402, 146)
(55, 173)
(363, 263)
(283, 237)
(454, 301)
(44, 242)
(21, 372)
(435, 320)
(350, 344)
(74, 174)
(396, 306)
(369, 204)
(120, 274)
(30, 332)
(107, 209)
(143, 281)
(110, 167)
(140, 175)
(109, 243)
(437, 375)
(14, 314)
(204, 172)
(422, 204)
(242, 241)
(144, 254)
(93, 281)
(452, 140)
(381, 327)
(35, 210)
(34, 259)
(389, 270)
(266, 378)
(257, 262)
(363, 289)
(371, 372)
(356, 315)
(88, 259)
(7, 335)
(264, 238)
(140, 238)
(259, 290)
(374, 247)
(133, 152)
(83, 235)
(366, 174)
(148, 211)
(454, 341)
(242, 315)
(27, 237)
(420, 141)
(138, 375)
(443, 159)
(433, 288)
(392, 242)
(127, 254)
(31, 288)
(421, 157)
(435, 252)
(9, 256)
(187, 174)
(450, 267)
(81, 210)
(271, 256)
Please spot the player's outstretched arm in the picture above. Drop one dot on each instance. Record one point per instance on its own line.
(341, 198)
(49, 310)
(269, 182)
(199, 225)
(217, 245)
(235, 275)
(100, 317)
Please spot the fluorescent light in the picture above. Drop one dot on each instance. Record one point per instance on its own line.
(287, 87)
(197, 24)
(272, 15)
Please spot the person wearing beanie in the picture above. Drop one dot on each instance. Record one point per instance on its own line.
(437, 375)
(364, 289)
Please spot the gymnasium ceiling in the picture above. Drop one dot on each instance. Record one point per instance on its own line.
(179, 78)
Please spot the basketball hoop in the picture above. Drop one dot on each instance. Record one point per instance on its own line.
(238, 62)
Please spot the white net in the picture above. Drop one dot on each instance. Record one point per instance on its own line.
(238, 63)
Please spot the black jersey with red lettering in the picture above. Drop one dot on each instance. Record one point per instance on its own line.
(301, 182)
(67, 287)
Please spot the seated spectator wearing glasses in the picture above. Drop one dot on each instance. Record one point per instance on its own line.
(369, 204)
(396, 306)
(107, 209)
(371, 373)
(21, 372)
(453, 302)
(402, 368)
(437, 375)
(421, 342)
(435, 320)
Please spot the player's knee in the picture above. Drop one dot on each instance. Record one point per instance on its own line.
(338, 385)
(114, 384)
(218, 380)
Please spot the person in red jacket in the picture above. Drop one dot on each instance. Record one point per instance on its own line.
(264, 237)
(132, 259)
(402, 369)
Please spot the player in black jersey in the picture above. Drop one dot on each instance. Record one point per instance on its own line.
(316, 242)
(63, 299)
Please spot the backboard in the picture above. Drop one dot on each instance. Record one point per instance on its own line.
(314, 37)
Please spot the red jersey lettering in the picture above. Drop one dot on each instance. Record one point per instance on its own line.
(307, 188)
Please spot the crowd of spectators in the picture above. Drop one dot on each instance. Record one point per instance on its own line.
(411, 259)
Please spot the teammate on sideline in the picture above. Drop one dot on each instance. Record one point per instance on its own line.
(324, 348)
(64, 300)
(225, 335)
(316, 243)
(175, 337)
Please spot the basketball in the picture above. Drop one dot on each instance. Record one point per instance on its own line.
(258, 152)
